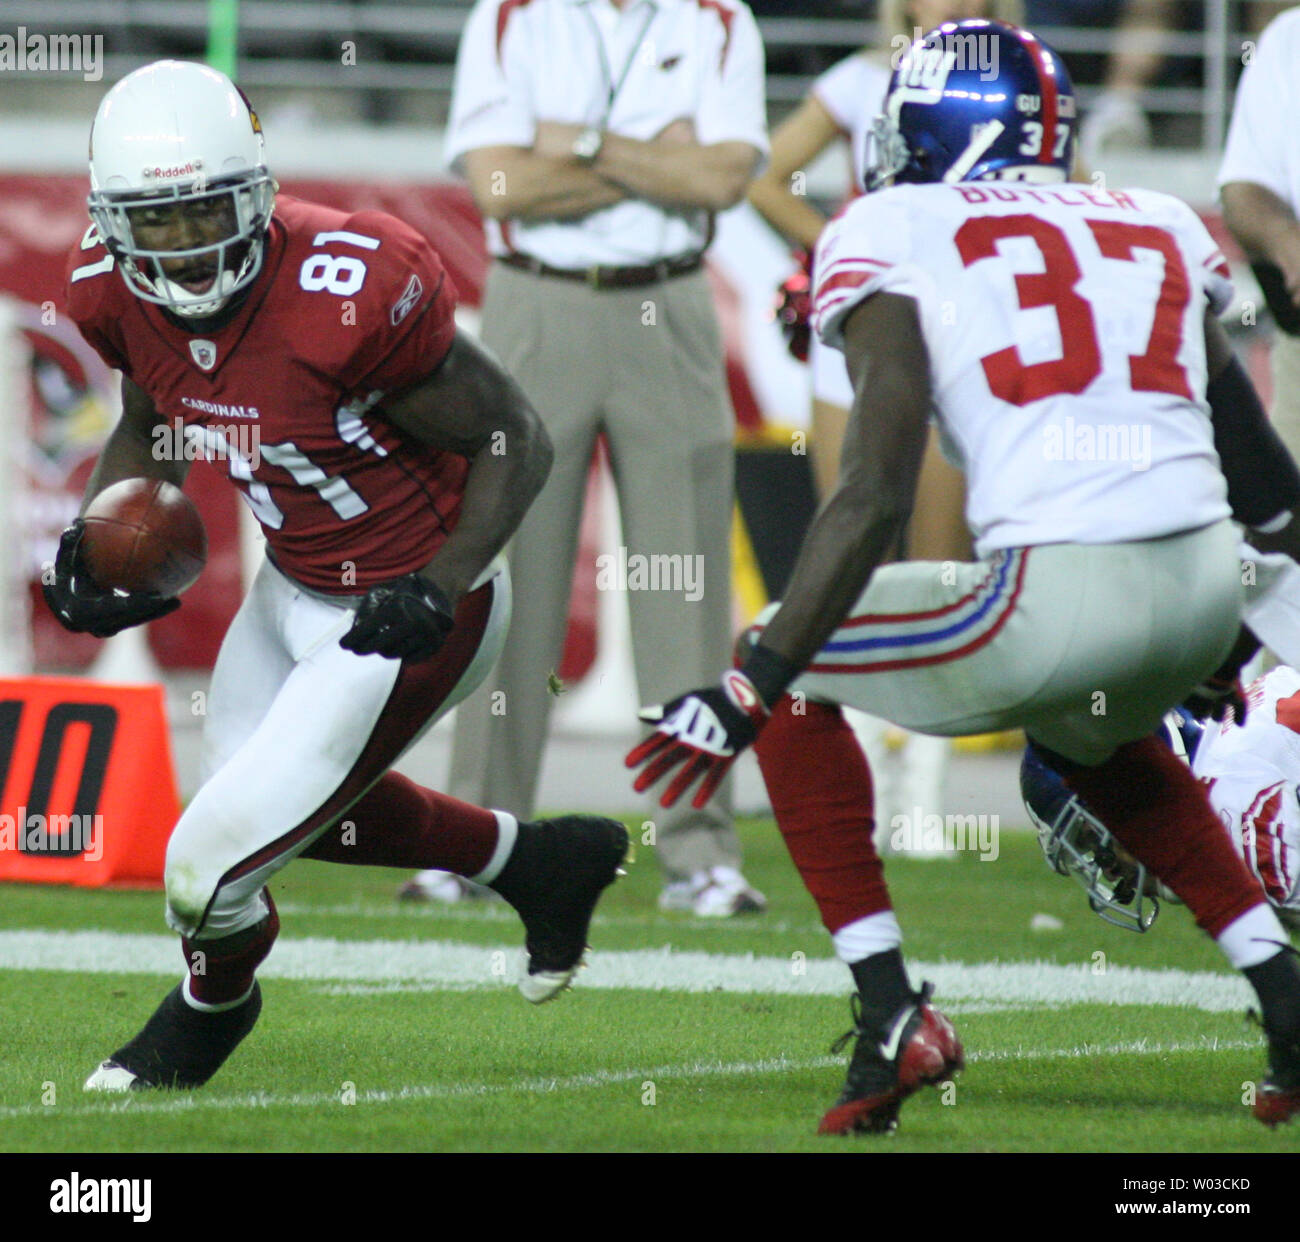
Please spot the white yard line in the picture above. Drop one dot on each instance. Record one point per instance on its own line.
(640, 1078)
(368, 965)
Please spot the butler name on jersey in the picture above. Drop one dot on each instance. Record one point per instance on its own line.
(278, 378)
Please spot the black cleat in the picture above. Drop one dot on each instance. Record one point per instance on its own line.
(1278, 1099)
(917, 1047)
(179, 1047)
(554, 878)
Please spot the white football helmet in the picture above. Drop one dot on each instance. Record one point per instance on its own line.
(175, 132)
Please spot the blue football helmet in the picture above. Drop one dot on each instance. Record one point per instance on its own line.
(1076, 843)
(975, 101)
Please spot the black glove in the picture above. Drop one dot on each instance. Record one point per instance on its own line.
(406, 619)
(1217, 698)
(87, 608)
(1221, 692)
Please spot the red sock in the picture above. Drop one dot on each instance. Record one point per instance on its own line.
(398, 823)
(820, 789)
(1159, 812)
(221, 971)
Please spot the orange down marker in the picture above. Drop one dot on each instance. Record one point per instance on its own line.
(87, 783)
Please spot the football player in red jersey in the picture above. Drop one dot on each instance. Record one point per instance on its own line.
(388, 460)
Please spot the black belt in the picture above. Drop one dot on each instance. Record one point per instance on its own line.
(609, 277)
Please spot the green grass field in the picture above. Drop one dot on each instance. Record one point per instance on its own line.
(389, 1027)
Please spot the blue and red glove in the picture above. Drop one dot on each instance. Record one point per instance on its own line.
(793, 310)
(701, 733)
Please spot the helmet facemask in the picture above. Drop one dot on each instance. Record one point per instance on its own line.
(236, 259)
(1076, 843)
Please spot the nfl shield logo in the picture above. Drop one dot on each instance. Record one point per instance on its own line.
(204, 354)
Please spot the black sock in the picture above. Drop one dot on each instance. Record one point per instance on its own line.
(882, 985)
(1277, 984)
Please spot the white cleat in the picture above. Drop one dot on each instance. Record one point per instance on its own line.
(545, 985)
(554, 878)
(112, 1077)
(725, 894)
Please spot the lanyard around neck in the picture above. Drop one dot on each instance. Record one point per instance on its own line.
(616, 87)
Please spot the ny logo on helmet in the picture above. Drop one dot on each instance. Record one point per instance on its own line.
(926, 67)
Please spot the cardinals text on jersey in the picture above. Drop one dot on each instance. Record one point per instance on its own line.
(346, 308)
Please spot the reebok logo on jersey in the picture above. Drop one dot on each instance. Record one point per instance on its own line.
(407, 302)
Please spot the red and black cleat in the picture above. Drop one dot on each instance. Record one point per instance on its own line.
(916, 1048)
(1279, 1094)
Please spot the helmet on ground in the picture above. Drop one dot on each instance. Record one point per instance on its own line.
(1076, 843)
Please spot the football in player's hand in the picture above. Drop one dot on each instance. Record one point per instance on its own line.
(144, 535)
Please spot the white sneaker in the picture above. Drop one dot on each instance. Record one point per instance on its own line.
(112, 1077)
(679, 896)
(441, 886)
(726, 893)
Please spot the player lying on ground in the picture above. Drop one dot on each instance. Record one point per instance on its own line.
(395, 459)
(1031, 318)
(1251, 772)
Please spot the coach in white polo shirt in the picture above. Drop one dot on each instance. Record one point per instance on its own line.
(599, 137)
(1260, 188)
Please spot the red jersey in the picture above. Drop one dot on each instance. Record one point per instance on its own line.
(287, 393)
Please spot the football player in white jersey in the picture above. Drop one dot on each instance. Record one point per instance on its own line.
(1064, 340)
(843, 103)
(1251, 773)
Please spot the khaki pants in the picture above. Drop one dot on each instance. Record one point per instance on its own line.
(645, 367)
(1284, 355)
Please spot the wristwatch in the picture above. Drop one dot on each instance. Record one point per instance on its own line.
(586, 146)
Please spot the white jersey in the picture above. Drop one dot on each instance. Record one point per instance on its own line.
(853, 94)
(1067, 356)
(1251, 774)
